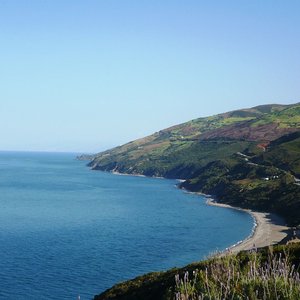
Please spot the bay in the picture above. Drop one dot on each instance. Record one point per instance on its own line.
(67, 231)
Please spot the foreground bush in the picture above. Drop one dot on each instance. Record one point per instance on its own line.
(230, 278)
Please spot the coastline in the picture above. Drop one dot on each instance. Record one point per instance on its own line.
(269, 229)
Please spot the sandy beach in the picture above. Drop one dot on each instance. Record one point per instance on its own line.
(269, 229)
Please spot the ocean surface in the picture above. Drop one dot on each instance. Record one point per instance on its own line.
(67, 231)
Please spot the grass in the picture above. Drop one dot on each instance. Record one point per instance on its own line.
(284, 155)
(250, 183)
(230, 278)
(286, 118)
(232, 120)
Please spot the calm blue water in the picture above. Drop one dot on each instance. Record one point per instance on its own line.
(67, 231)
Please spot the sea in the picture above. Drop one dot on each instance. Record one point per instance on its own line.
(66, 230)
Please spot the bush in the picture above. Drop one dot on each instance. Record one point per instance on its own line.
(231, 278)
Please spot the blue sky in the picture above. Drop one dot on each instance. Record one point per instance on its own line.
(88, 75)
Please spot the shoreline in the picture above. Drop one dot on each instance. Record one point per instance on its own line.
(268, 229)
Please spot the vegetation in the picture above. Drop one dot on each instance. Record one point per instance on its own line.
(248, 158)
(262, 182)
(271, 273)
(283, 153)
(179, 150)
(252, 278)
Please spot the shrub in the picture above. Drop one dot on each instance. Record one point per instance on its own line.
(232, 278)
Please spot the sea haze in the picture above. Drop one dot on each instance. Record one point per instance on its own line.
(67, 231)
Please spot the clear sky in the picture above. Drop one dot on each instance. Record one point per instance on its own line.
(91, 74)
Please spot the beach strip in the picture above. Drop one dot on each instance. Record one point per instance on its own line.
(269, 229)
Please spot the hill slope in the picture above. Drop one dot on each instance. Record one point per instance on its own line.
(247, 157)
(193, 144)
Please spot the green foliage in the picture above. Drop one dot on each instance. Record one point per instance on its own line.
(286, 118)
(283, 153)
(228, 278)
(262, 182)
(177, 160)
(246, 185)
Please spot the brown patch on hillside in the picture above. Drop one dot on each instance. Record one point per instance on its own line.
(244, 131)
(262, 146)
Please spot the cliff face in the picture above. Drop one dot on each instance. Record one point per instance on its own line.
(247, 157)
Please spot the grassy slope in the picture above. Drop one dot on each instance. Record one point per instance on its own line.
(283, 153)
(204, 151)
(186, 147)
(161, 285)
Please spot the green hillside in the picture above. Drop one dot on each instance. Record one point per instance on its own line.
(248, 158)
(283, 153)
(179, 150)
